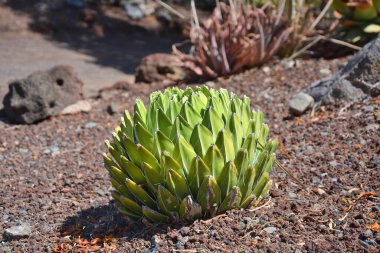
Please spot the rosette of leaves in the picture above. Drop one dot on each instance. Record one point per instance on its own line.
(189, 154)
(234, 37)
(360, 19)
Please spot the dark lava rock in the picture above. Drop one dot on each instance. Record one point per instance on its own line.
(366, 235)
(22, 230)
(359, 78)
(42, 94)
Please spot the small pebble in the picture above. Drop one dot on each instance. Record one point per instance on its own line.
(366, 234)
(325, 72)
(112, 109)
(90, 125)
(22, 230)
(270, 230)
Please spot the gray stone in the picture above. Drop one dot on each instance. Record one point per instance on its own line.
(42, 94)
(333, 164)
(90, 125)
(112, 109)
(359, 78)
(22, 230)
(372, 127)
(137, 9)
(300, 103)
(159, 67)
(80, 106)
(366, 235)
(270, 230)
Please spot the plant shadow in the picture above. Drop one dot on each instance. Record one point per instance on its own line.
(103, 221)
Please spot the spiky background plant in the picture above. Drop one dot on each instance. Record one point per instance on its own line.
(189, 154)
(235, 37)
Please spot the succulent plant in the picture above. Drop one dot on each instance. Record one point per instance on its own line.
(233, 38)
(189, 154)
(360, 19)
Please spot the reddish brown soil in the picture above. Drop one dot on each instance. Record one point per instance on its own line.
(52, 176)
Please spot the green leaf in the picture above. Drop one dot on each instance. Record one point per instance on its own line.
(148, 157)
(228, 178)
(140, 194)
(213, 121)
(183, 153)
(250, 145)
(141, 110)
(167, 162)
(231, 201)
(127, 212)
(137, 118)
(246, 182)
(164, 123)
(117, 174)
(261, 184)
(174, 109)
(225, 145)
(177, 184)
(209, 195)
(153, 215)
(112, 151)
(132, 170)
(190, 114)
(180, 127)
(198, 171)
(130, 204)
(247, 202)
(153, 177)
(214, 160)
(162, 143)
(121, 188)
(108, 162)
(131, 149)
(241, 162)
(201, 139)
(166, 201)
(189, 209)
(143, 137)
(245, 117)
(128, 125)
(235, 130)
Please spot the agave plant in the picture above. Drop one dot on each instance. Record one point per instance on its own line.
(189, 154)
(235, 37)
(360, 19)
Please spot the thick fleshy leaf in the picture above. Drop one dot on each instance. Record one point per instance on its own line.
(140, 109)
(180, 127)
(250, 145)
(137, 118)
(167, 163)
(177, 184)
(153, 177)
(128, 125)
(228, 178)
(190, 114)
(174, 109)
(183, 153)
(241, 162)
(201, 139)
(117, 174)
(247, 201)
(130, 204)
(166, 201)
(198, 171)
(108, 162)
(131, 149)
(231, 201)
(246, 182)
(235, 130)
(164, 123)
(123, 210)
(261, 184)
(140, 194)
(209, 195)
(153, 215)
(213, 121)
(147, 157)
(113, 151)
(162, 143)
(121, 188)
(143, 137)
(225, 145)
(132, 170)
(189, 209)
(214, 160)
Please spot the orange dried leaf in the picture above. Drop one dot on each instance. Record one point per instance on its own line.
(365, 195)
(374, 227)
(96, 241)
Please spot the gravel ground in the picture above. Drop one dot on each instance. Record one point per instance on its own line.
(52, 179)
